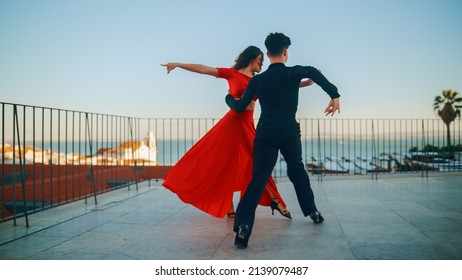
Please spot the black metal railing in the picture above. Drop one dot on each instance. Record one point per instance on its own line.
(54, 156)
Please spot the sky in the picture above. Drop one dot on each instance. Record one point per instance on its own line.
(389, 59)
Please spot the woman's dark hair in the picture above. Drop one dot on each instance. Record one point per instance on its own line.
(246, 56)
(275, 43)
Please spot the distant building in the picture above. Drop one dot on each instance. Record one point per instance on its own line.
(144, 152)
(127, 153)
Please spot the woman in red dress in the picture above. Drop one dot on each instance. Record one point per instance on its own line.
(220, 163)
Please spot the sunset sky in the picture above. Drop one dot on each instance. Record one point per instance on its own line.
(389, 59)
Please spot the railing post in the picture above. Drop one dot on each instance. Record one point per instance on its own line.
(91, 175)
(149, 144)
(320, 171)
(426, 151)
(3, 162)
(374, 154)
(21, 166)
(130, 124)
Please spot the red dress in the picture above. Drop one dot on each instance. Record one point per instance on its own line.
(220, 163)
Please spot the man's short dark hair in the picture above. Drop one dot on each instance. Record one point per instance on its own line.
(276, 43)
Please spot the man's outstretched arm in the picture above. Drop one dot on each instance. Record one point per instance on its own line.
(317, 77)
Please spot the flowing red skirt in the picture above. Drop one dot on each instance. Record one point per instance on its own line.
(218, 165)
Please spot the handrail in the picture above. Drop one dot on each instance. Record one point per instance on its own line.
(65, 155)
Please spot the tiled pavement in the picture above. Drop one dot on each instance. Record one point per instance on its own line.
(397, 217)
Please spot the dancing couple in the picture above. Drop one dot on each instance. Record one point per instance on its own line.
(241, 158)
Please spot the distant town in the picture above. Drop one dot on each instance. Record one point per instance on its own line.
(126, 153)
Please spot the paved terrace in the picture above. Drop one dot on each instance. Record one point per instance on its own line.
(397, 217)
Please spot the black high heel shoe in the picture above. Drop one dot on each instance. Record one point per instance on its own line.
(274, 206)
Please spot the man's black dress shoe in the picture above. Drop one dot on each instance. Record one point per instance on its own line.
(242, 237)
(316, 217)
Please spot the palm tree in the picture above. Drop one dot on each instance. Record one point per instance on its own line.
(451, 108)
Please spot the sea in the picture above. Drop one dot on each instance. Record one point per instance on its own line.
(171, 150)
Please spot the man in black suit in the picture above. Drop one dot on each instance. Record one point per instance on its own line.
(278, 130)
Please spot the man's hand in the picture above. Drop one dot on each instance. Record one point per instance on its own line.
(334, 105)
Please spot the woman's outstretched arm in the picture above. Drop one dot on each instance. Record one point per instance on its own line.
(196, 68)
